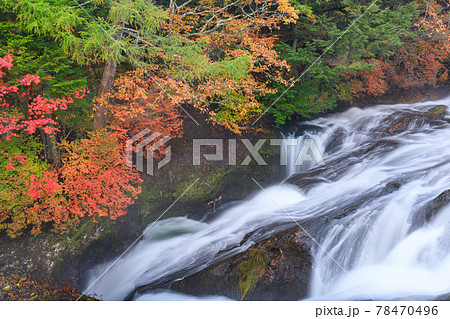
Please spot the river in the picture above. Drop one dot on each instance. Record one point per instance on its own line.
(383, 250)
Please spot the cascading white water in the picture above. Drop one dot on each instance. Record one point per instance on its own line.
(291, 150)
(155, 258)
(384, 248)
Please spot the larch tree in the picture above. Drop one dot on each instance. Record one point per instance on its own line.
(214, 55)
(94, 32)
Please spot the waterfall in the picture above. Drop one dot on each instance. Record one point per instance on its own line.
(291, 149)
(388, 249)
(188, 246)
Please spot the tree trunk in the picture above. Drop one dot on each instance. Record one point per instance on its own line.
(105, 86)
(294, 37)
(51, 151)
(295, 69)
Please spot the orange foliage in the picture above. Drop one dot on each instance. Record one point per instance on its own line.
(231, 100)
(31, 200)
(368, 82)
(138, 103)
(95, 177)
(50, 204)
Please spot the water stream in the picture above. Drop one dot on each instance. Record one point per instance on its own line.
(387, 248)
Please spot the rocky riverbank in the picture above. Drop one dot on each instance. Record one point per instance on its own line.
(66, 259)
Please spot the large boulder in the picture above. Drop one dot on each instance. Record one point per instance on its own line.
(406, 120)
(277, 268)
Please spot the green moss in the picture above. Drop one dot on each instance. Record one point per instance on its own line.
(215, 178)
(437, 110)
(169, 183)
(87, 228)
(250, 271)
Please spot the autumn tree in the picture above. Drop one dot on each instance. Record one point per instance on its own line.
(215, 55)
(23, 110)
(95, 177)
(136, 103)
(93, 32)
(30, 193)
(391, 47)
(93, 180)
(60, 75)
(236, 56)
(418, 63)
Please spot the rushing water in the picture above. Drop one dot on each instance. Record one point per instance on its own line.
(389, 251)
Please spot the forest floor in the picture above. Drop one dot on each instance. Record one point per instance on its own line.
(15, 288)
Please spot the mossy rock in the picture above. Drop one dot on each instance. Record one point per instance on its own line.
(437, 110)
(277, 268)
(251, 270)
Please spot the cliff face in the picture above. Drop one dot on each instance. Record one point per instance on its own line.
(66, 258)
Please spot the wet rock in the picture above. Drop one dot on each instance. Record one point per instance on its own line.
(434, 206)
(338, 166)
(406, 120)
(66, 258)
(303, 128)
(391, 187)
(437, 110)
(335, 142)
(299, 129)
(305, 182)
(286, 275)
(444, 297)
(426, 213)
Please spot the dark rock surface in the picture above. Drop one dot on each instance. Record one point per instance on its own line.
(409, 120)
(286, 277)
(426, 213)
(444, 297)
(334, 143)
(66, 258)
